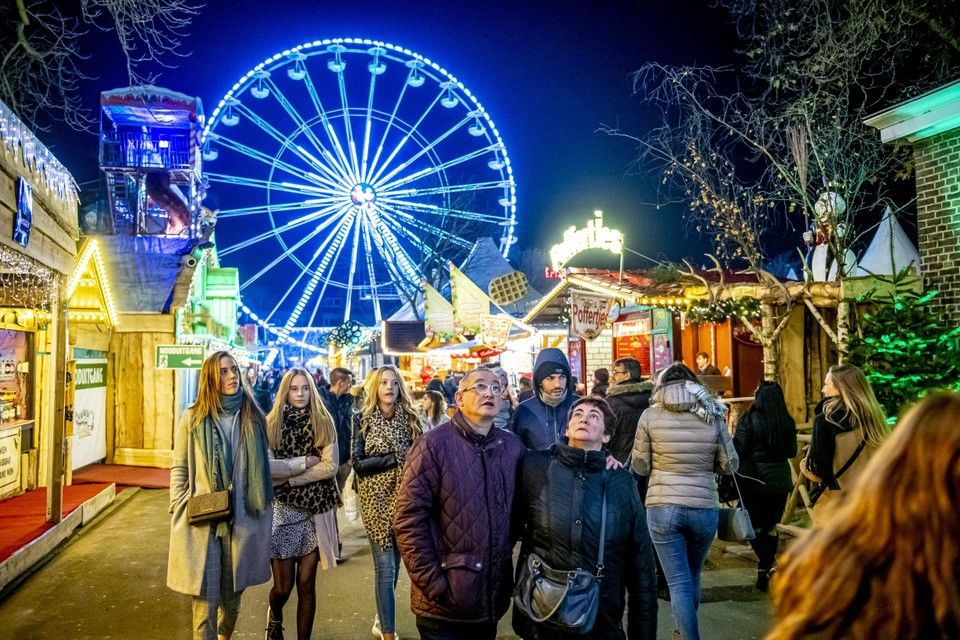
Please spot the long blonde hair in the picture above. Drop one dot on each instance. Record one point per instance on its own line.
(208, 393)
(404, 401)
(321, 421)
(858, 401)
(885, 563)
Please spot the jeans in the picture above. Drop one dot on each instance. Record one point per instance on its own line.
(431, 629)
(386, 569)
(682, 537)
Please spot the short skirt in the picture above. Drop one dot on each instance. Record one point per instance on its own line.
(297, 532)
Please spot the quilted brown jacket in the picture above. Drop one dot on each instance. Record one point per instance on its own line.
(454, 521)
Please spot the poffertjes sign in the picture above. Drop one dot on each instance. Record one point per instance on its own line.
(588, 314)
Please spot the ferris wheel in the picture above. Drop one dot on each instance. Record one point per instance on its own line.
(346, 171)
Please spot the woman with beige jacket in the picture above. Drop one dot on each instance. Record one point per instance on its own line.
(220, 444)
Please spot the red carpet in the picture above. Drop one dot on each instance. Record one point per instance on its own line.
(22, 518)
(123, 476)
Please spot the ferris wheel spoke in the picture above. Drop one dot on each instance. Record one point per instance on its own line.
(328, 261)
(366, 128)
(368, 253)
(321, 184)
(325, 244)
(333, 179)
(349, 127)
(409, 273)
(416, 240)
(457, 188)
(287, 187)
(426, 227)
(423, 173)
(343, 163)
(406, 136)
(341, 167)
(353, 268)
(319, 228)
(274, 232)
(386, 130)
(425, 150)
(272, 208)
(437, 210)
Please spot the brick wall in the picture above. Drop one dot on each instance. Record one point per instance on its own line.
(600, 352)
(938, 217)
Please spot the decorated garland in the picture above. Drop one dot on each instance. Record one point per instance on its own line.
(701, 311)
(348, 334)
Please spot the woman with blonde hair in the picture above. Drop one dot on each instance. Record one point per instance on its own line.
(885, 565)
(848, 427)
(383, 430)
(220, 445)
(434, 409)
(303, 465)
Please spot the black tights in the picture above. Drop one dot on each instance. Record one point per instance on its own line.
(305, 571)
(765, 511)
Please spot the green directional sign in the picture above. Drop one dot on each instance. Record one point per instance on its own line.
(180, 356)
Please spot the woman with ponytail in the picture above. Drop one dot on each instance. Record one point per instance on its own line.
(766, 439)
(304, 463)
(220, 444)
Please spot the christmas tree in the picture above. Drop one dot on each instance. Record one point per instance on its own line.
(904, 347)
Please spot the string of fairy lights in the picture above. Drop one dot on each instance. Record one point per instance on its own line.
(695, 311)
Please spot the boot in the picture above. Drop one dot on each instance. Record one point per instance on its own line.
(763, 580)
(274, 628)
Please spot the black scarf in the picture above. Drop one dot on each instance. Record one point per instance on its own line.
(297, 439)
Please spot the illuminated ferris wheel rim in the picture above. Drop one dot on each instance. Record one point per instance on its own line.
(320, 47)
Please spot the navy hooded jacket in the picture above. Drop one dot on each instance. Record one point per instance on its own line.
(537, 424)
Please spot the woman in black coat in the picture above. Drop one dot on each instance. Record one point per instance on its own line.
(766, 439)
(560, 512)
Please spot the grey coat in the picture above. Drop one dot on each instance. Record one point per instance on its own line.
(249, 533)
(680, 450)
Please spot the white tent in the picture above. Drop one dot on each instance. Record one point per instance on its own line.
(890, 250)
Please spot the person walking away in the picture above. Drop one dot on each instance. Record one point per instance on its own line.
(262, 392)
(562, 494)
(848, 428)
(383, 430)
(434, 409)
(541, 420)
(885, 564)
(339, 402)
(765, 440)
(220, 443)
(681, 439)
(303, 465)
(629, 397)
(449, 388)
(507, 406)
(524, 389)
(453, 519)
(601, 382)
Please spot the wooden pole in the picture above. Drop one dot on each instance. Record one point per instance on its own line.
(56, 441)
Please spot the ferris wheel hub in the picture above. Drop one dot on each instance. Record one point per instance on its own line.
(363, 195)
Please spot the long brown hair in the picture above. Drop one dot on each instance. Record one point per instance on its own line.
(859, 402)
(321, 421)
(439, 410)
(885, 563)
(208, 391)
(404, 401)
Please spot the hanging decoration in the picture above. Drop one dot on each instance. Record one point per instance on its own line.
(701, 311)
(469, 302)
(589, 314)
(25, 283)
(349, 334)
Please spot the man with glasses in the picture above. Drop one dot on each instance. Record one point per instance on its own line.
(541, 420)
(628, 397)
(453, 517)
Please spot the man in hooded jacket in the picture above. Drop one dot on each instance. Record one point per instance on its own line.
(628, 396)
(541, 420)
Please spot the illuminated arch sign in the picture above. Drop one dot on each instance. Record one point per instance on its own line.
(593, 236)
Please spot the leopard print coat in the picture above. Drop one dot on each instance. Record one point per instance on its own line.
(378, 493)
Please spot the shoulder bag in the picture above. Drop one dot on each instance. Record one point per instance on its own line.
(733, 523)
(562, 600)
(216, 506)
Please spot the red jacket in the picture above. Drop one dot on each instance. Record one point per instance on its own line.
(453, 521)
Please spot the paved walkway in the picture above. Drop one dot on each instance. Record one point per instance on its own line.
(109, 582)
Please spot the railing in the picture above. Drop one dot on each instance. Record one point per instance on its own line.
(139, 150)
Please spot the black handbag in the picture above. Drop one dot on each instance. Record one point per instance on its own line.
(562, 600)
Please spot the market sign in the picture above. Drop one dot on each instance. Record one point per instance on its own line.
(9, 461)
(593, 236)
(589, 314)
(494, 331)
(180, 356)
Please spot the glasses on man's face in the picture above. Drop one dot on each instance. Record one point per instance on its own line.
(482, 388)
(618, 372)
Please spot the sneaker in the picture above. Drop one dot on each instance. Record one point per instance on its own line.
(377, 633)
(274, 629)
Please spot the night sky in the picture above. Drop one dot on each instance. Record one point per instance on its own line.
(548, 73)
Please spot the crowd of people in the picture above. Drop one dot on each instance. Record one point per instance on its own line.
(614, 494)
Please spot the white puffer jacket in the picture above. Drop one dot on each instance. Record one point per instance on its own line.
(681, 441)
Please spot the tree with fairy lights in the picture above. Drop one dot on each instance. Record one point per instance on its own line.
(778, 145)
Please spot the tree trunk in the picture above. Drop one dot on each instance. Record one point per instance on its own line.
(769, 341)
(843, 329)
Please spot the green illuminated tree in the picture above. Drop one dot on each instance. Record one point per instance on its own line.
(904, 348)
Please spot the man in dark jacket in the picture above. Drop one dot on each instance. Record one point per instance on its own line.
(453, 518)
(542, 419)
(628, 397)
(339, 403)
